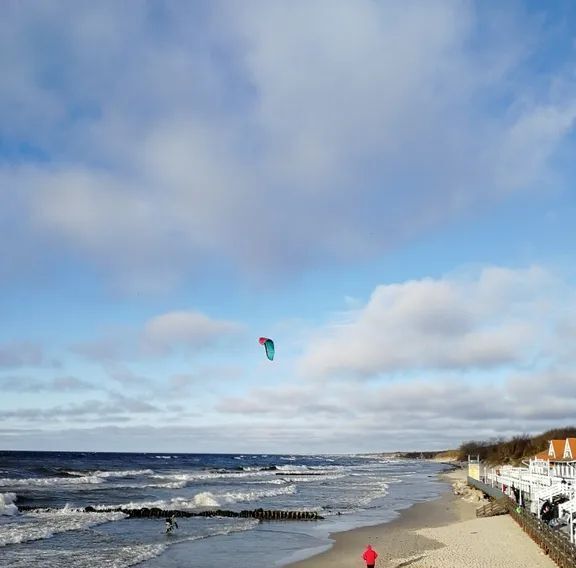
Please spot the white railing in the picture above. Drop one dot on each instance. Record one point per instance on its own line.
(541, 481)
(567, 511)
(547, 494)
(534, 484)
(565, 470)
(518, 477)
(568, 507)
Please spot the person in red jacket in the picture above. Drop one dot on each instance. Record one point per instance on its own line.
(370, 556)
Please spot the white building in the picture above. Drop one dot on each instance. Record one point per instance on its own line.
(548, 476)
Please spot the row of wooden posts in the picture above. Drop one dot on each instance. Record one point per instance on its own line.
(554, 542)
(156, 513)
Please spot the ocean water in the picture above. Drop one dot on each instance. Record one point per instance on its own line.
(348, 491)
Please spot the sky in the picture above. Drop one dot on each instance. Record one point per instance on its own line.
(383, 187)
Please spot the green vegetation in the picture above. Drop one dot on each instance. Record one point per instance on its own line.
(515, 449)
(444, 454)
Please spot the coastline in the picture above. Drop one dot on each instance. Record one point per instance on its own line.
(443, 533)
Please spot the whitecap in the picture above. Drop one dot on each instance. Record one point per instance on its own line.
(111, 474)
(49, 481)
(7, 506)
(204, 500)
(113, 557)
(207, 475)
(39, 525)
(125, 473)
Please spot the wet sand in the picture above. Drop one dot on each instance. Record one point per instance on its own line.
(443, 533)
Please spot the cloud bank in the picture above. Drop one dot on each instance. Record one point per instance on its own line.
(422, 364)
(264, 137)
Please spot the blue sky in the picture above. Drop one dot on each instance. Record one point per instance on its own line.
(385, 188)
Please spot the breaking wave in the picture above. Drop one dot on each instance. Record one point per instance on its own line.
(50, 481)
(204, 500)
(179, 480)
(113, 474)
(115, 557)
(40, 525)
(7, 506)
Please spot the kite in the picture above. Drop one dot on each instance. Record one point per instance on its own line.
(269, 346)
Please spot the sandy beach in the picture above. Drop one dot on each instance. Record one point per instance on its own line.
(443, 533)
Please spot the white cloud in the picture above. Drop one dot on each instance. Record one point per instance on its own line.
(461, 322)
(438, 412)
(24, 354)
(191, 329)
(185, 330)
(282, 403)
(56, 384)
(323, 130)
(116, 408)
(433, 413)
(123, 375)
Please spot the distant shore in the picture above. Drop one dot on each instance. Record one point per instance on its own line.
(443, 533)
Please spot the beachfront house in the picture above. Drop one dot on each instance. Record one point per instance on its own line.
(570, 449)
(560, 459)
(555, 466)
(547, 477)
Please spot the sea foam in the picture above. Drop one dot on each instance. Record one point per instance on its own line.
(7, 506)
(205, 500)
(40, 525)
(49, 481)
(125, 473)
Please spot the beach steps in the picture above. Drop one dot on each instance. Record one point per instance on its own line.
(492, 509)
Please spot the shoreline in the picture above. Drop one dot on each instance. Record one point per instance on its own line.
(443, 532)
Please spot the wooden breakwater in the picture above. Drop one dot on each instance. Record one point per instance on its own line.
(157, 513)
(553, 542)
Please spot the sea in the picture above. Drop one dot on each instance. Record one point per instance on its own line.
(348, 491)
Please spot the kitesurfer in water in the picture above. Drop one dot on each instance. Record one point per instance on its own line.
(171, 524)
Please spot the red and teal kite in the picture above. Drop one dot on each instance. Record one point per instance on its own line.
(269, 346)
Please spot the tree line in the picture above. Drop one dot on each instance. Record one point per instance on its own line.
(513, 450)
